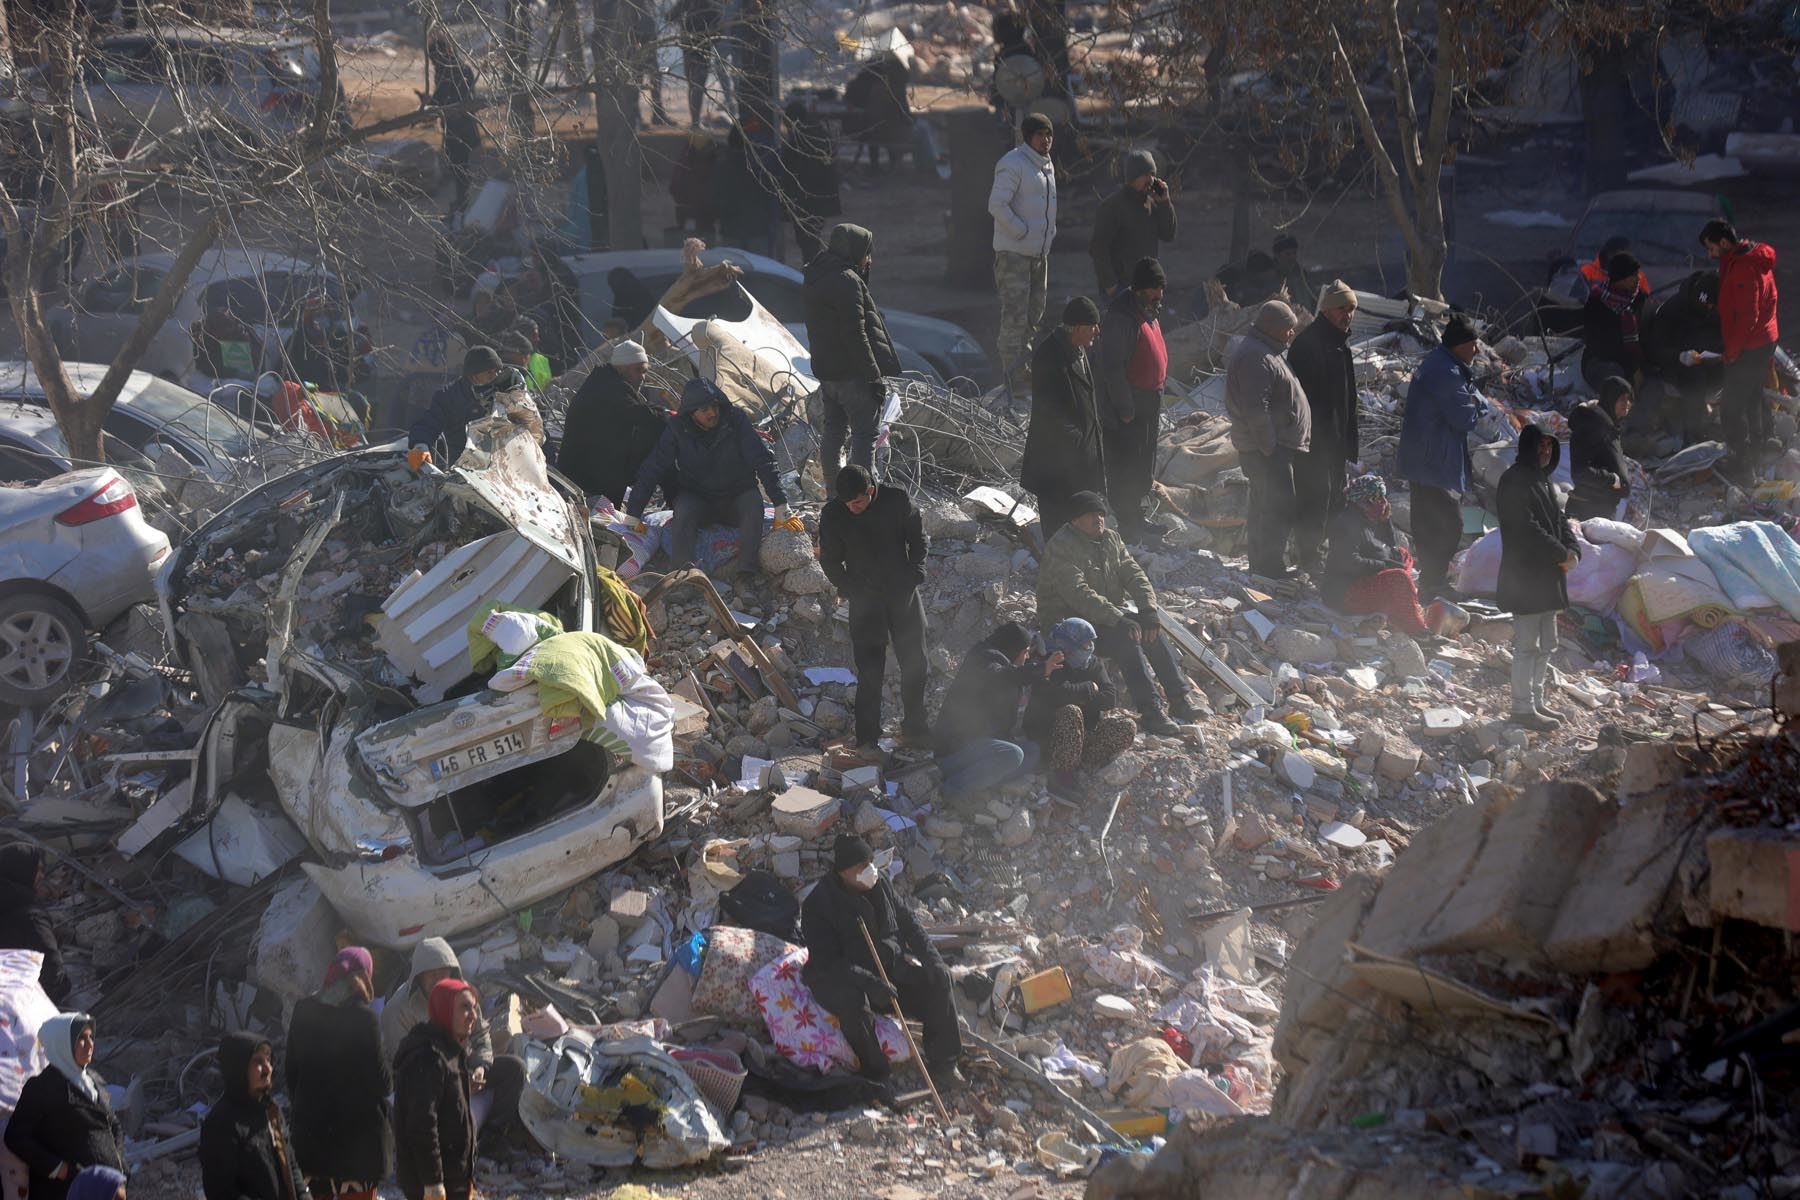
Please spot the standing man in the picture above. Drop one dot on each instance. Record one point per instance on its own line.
(1748, 326)
(717, 459)
(851, 350)
(1134, 362)
(1593, 273)
(1537, 551)
(1063, 446)
(852, 897)
(872, 546)
(1130, 223)
(1686, 354)
(1088, 573)
(611, 428)
(1320, 359)
(1271, 425)
(454, 91)
(1023, 205)
(1612, 325)
(1442, 405)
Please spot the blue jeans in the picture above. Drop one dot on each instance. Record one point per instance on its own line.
(982, 764)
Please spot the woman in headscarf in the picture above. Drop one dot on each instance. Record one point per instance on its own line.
(1067, 713)
(1366, 571)
(245, 1150)
(24, 925)
(63, 1121)
(98, 1183)
(338, 1084)
(431, 1098)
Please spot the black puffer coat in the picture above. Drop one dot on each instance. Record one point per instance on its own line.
(1062, 447)
(246, 1152)
(24, 925)
(431, 1114)
(1320, 360)
(1534, 535)
(845, 331)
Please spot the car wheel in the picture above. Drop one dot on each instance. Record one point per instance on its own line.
(42, 640)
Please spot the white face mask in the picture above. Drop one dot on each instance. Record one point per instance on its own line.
(865, 878)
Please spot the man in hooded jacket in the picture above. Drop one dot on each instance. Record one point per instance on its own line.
(853, 897)
(246, 1152)
(1063, 445)
(717, 458)
(851, 350)
(1130, 223)
(1537, 551)
(431, 1098)
(1597, 465)
(24, 925)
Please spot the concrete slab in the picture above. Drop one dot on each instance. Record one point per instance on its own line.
(1622, 891)
(1755, 876)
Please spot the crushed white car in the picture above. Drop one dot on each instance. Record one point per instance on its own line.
(326, 615)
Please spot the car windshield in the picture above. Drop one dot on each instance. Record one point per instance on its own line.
(193, 415)
(1667, 238)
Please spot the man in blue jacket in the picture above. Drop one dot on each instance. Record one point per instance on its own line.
(1442, 406)
(718, 458)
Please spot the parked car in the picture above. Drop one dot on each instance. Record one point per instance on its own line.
(343, 592)
(77, 553)
(266, 289)
(32, 449)
(147, 83)
(950, 350)
(211, 439)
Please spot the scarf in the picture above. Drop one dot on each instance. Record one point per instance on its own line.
(57, 1037)
(1621, 307)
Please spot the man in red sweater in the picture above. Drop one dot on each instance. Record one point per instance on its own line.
(1748, 329)
(1134, 362)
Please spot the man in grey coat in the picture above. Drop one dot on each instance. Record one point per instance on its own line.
(1130, 223)
(1271, 422)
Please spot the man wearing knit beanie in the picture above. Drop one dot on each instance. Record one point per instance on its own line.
(1063, 451)
(1131, 223)
(1320, 359)
(853, 896)
(1442, 406)
(1023, 205)
(1271, 424)
(1134, 363)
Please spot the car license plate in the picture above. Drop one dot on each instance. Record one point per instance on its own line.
(468, 758)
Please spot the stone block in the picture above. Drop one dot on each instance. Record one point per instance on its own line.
(1398, 763)
(294, 942)
(1299, 646)
(1652, 766)
(1755, 876)
(1426, 877)
(1621, 892)
(1320, 985)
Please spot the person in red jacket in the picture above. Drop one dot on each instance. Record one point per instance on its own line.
(1748, 329)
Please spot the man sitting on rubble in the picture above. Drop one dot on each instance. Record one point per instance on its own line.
(445, 422)
(852, 897)
(611, 427)
(977, 747)
(1088, 573)
(717, 458)
(1069, 713)
(872, 547)
(496, 1080)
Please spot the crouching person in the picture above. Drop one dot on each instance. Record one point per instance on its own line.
(844, 979)
(1367, 571)
(976, 746)
(1068, 710)
(434, 1127)
(245, 1150)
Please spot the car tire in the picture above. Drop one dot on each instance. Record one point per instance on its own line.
(42, 643)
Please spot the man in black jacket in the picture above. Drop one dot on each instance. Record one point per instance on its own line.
(851, 350)
(1320, 360)
(842, 976)
(872, 546)
(446, 417)
(611, 428)
(1597, 464)
(245, 1150)
(716, 458)
(1063, 452)
(1131, 223)
(1537, 551)
(24, 925)
(976, 746)
(433, 1121)
(1687, 356)
(1613, 325)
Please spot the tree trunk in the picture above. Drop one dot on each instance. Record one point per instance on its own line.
(616, 107)
(1604, 99)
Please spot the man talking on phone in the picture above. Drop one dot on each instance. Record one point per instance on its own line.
(1131, 222)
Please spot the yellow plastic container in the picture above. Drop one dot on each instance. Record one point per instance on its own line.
(1046, 989)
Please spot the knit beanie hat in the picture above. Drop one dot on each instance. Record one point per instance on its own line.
(849, 851)
(1458, 333)
(442, 1004)
(1148, 273)
(1081, 311)
(1365, 488)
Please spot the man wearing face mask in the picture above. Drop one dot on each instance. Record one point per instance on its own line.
(1134, 362)
(445, 422)
(851, 350)
(844, 979)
